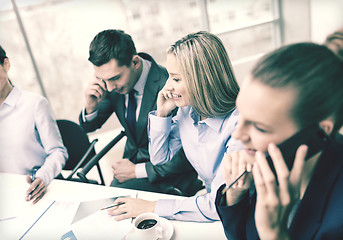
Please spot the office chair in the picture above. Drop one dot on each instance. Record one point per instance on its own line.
(188, 191)
(80, 150)
(95, 159)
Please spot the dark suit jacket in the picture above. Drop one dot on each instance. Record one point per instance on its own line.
(179, 168)
(320, 212)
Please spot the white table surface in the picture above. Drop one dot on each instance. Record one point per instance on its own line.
(12, 192)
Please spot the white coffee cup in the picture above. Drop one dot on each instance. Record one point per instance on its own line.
(146, 226)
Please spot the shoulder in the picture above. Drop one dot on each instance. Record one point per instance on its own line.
(32, 99)
(154, 66)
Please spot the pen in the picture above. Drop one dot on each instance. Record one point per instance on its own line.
(228, 187)
(111, 206)
(33, 177)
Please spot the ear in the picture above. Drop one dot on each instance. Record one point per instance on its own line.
(136, 61)
(6, 65)
(327, 126)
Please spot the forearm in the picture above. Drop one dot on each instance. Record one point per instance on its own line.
(53, 165)
(164, 141)
(196, 209)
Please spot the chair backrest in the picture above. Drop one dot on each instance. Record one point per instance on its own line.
(76, 141)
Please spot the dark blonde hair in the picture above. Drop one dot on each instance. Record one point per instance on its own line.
(206, 68)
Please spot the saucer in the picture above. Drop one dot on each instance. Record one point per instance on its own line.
(166, 225)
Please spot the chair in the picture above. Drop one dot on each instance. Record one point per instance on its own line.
(79, 148)
(188, 191)
(95, 159)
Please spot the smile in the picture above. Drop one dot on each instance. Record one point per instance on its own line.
(176, 96)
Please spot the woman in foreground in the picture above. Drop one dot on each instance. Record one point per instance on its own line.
(290, 89)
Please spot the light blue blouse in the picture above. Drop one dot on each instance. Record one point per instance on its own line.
(29, 136)
(204, 143)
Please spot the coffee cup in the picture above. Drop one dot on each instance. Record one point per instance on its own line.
(146, 226)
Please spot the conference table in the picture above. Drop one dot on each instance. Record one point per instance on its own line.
(52, 216)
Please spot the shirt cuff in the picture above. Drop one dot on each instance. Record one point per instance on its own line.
(140, 170)
(88, 117)
(159, 124)
(164, 207)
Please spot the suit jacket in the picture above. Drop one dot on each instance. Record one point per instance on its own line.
(171, 173)
(319, 214)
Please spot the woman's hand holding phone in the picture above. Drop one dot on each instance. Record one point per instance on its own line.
(275, 200)
(234, 164)
(165, 102)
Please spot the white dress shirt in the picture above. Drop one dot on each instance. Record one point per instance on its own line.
(29, 136)
(204, 143)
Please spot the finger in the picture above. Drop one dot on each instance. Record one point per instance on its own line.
(281, 168)
(118, 210)
(99, 82)
(28, 179)
(40, 195)
(242, 166)
(170, 95)
(115, 211)
(261, 189)
(122, 217)
(227, 168)
(298, 166)
(37, 190)
(96, 91)
(102, 83)
(122, 200)
(32, 187)
(165, 95)
(234, 165)
(267, 175)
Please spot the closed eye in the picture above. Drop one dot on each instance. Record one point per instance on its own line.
(260, 128)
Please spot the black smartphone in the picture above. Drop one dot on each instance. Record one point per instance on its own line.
(313, 136)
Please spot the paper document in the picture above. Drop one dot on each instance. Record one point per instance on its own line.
(87, 208)
(50, 220)
(102, 226)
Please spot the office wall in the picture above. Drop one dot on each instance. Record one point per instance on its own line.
(326, 17)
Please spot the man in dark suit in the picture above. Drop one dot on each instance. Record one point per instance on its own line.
(127, 84)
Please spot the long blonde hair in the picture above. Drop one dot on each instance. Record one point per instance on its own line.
(206, 68)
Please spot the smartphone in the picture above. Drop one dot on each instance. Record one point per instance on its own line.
(313, 136)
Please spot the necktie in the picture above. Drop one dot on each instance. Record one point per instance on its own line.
(131, 113)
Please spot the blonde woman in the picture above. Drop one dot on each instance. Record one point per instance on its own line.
(202, 85)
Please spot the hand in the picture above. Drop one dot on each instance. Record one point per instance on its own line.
(165, 102)
(123, 170)
(234, 164)
(132, 207)
(36, 190)
(95, 92)
(274, 202)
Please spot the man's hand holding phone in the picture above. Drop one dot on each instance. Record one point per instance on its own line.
(95, 92)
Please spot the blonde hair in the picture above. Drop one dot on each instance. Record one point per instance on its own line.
(206, 68)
